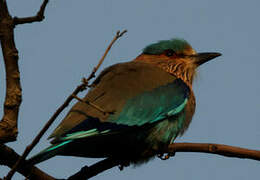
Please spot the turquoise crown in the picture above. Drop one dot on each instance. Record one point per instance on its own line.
(175, 44)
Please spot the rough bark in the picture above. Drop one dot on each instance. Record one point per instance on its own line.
(13, 97)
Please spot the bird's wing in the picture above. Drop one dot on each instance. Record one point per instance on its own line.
(124, 95)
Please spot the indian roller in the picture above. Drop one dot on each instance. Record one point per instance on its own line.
(146, 103)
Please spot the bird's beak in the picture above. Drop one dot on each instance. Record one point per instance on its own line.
(202, 58)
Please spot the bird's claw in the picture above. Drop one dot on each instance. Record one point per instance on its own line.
(123, 164)
(121, 167)
(163, 157)
(166, 156)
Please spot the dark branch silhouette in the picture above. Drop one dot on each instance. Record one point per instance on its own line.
(9, 157)
(13, 97)
(219, 149)
(88, 172)
(37, 18)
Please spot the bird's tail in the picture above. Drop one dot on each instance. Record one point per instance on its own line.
(47, 153)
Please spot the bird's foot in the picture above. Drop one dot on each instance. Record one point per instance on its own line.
(123, 164)
(166, 156)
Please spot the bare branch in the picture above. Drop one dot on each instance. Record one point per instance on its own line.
(88, 172)
(37, 18)
(13, 97)
(81, 87)
(8, 157)
(91, 104)
(219, 149)
(118, 35)
(44, 129)
(3, 9)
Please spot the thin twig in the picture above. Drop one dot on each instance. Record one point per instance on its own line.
(90, 103)
(81, 87)
(219, 149)
(37, 18)
(118, 35)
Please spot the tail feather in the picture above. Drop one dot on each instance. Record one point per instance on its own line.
(47, 153)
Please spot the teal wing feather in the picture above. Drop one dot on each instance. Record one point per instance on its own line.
(154, 105)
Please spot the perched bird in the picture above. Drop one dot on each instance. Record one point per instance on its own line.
(134, 109)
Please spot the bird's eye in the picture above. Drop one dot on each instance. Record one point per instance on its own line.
(169, 52)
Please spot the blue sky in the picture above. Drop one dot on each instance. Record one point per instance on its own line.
(57, 53)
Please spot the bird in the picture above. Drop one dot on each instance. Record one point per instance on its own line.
(133, 110)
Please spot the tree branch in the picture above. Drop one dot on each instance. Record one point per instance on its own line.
(219, 149)
(118, 35)
(81, 87)
(41, 133)
(37, 18)
(13, 97)
(8, 157)
(88, 172)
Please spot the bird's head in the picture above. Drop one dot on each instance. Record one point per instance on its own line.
(177, 57)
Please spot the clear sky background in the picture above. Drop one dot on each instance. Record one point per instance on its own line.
(56, 53)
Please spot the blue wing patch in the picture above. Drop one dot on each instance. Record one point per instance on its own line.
(154, 105)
